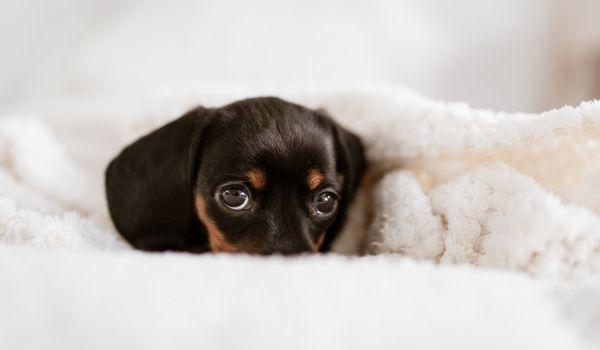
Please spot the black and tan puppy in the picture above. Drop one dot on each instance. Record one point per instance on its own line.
(259, 176)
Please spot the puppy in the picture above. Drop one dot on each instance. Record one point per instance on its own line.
(258, 176)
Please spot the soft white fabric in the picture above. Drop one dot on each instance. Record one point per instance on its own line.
(130, 300)
(448, 184)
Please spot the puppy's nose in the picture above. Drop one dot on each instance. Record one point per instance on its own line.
(289, 248)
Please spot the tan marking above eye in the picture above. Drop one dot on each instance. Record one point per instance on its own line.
(257, 178)
(314, 179)
(216, 240)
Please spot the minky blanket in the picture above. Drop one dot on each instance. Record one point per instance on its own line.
(473, 229)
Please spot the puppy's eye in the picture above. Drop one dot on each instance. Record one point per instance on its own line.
(235, 197)
(325, 204)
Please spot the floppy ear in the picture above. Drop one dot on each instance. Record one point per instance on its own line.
(150, 184)
(351, 165)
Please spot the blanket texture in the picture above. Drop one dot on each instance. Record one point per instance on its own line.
(447, 185)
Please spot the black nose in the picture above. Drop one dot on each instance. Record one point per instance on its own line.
(288, 248)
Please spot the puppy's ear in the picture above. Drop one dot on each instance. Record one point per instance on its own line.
(150, 184)
(351, 165)
(351, 161)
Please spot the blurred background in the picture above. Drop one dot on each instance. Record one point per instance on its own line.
(510, 55)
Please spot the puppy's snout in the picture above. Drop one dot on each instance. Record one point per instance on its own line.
(288, 244)
(287, 234)
(289, 250)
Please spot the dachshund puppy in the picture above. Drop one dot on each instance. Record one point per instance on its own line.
(258, 176)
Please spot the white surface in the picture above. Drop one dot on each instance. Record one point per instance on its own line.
(512, 191)
(62, 300)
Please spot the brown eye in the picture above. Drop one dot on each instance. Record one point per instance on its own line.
(235, 197)
(325, 204)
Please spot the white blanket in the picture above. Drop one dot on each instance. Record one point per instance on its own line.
(448, 185)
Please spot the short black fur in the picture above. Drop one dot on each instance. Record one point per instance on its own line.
(152, 184)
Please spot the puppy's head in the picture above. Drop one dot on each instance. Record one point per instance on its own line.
(258, 176)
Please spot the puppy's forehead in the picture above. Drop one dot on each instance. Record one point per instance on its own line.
(270, 118)
(282, 138)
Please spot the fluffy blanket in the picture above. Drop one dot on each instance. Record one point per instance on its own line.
(448, 185)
